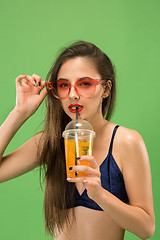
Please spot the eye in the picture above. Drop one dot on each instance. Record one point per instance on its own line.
(63, 84)
(84, 83)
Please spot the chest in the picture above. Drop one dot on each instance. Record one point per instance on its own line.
(100, 150)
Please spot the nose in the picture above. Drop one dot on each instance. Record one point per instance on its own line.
(73, 94)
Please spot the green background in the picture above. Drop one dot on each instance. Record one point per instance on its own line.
(31, 34)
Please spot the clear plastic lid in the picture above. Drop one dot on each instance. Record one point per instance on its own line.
(79, 126)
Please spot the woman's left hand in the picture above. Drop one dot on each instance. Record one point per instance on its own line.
(93, 182)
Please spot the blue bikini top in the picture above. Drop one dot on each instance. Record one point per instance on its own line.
(111, 180)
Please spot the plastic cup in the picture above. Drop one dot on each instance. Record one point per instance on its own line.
(78, 141)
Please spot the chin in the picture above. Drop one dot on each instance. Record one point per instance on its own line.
(81, 115)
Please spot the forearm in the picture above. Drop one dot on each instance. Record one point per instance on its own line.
(131, 218)
(9, 128)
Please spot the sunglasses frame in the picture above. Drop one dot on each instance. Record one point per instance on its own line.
(95, 82)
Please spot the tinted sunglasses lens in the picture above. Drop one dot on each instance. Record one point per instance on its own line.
(60, 89)
(86, 87)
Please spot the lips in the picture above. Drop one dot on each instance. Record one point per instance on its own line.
(72, 108)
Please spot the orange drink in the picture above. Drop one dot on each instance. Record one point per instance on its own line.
(84, 148)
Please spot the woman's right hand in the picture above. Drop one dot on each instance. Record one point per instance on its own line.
(29, 94)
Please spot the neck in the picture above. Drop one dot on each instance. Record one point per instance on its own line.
(97, 123)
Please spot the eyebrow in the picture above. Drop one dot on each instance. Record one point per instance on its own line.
(68, 80)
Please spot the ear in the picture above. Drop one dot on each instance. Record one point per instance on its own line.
(107, 89)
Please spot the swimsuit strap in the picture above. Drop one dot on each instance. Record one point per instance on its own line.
(109, 153)
(111, 144)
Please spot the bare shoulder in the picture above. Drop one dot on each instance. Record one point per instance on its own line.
(131, 147)
(128, 137)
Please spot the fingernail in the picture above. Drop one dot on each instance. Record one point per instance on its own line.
(78, 158)
(85, 181)
(39, 84)
(70, 168)
(68, 179)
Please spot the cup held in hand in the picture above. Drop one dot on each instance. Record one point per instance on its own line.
(78, 140)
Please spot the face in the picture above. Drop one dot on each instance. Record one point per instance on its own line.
(73, 70)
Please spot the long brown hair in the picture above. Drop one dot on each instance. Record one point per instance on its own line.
(51, 147)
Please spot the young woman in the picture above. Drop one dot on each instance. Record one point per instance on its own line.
(117, 194)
